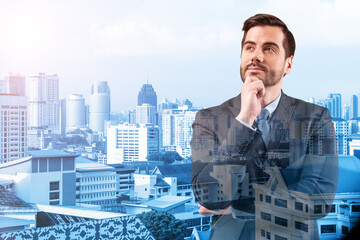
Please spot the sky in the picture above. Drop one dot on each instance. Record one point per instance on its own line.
(186, 49)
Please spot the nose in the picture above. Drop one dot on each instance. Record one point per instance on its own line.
(257, 57)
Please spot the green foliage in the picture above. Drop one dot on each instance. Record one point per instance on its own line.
(163, 225)
(167, 157)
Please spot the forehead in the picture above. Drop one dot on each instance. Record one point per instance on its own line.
(262, 34)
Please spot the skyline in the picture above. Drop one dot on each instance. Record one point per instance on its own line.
(182, 46)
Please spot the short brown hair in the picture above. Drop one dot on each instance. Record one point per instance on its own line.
(270, 20)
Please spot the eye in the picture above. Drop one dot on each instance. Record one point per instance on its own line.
(269, 49)
(249, 48)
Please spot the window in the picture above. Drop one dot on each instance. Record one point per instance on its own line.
(330, 208)
(328, 228)
(262, 232)
(68, 164)
(34, 164)
(43, 165)
(317, 209)
(344, 230)
(188, 194)
(54, 164)
(301, 226)
(277, 237)
(268, 235)
(54, 195)
(261, 197)
(165, 190)
(281, 221)
(55, 203)
(266, 216)
(355, 208)
(268, 199)
(298, 206)
(281, 202)
(206, 220)
(54, 186)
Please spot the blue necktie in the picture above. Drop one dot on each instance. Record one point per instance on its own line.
(263, 125)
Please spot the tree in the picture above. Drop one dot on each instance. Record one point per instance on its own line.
(154, 157)
(170, 157)
(163, 225)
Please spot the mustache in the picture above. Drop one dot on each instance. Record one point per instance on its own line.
(255, 64)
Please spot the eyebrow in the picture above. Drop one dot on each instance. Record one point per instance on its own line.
(265, 43)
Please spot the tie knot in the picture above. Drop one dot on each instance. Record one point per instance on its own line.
(264, 114)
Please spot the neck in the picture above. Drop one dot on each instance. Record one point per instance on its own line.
(271, 93)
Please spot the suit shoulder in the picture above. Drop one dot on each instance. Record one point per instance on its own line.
(219, 109)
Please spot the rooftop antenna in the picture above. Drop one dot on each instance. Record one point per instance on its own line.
(147, 78)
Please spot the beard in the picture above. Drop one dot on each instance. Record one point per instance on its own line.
(272, 77)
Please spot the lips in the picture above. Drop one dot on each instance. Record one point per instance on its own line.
(255, 67)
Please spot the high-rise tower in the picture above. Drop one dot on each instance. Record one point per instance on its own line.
(43, 94)
(99, 106)
(148, 95)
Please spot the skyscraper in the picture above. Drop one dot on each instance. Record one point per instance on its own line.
(148, 95)
(131, 142)
(354, 106)
(43, 94)
(75, 111)
(145, 114)
(335, 105)
(16, 84)
(13, 127)
(99, 105)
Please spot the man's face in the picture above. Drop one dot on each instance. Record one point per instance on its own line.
(263, 55)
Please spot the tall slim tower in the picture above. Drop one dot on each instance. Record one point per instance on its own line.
(148, 95)
(99, 106)
(75, 111)
(335, 110)
(354, 106)
(43, 94)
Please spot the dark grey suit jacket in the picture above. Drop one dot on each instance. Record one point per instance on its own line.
(222, 146)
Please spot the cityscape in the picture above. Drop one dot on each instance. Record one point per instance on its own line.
(70, 164)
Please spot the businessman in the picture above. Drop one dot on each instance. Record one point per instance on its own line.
(263, 163)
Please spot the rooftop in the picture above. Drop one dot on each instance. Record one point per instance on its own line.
(166, 202)
(50, 153)
(78, 212)
(181, 171)
(87, 165)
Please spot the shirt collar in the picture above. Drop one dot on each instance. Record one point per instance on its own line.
(273, 105)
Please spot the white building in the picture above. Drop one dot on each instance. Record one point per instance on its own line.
(124, 179)
(13, 127)
(131, 142)
(95, 183)
(75, 111)
(145, 114)
(43, 93)
(99, 106)
(177, 129)
(172, 180)
(342, 134)
(45, 177)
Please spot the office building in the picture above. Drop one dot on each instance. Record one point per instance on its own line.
(342, 133)
(145, 114)
(75, 111)
(177, 129)
(354, 106)
(16, 84)
(131, 142)
(148, 95)
(99, 109)
(13, 127)
(95, 183)
(43, 97)
(45, 177)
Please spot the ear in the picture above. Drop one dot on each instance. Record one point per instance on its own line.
(288, 64)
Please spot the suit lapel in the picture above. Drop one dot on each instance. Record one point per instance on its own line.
(280, 120)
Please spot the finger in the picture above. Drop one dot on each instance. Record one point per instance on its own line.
(250, 79)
